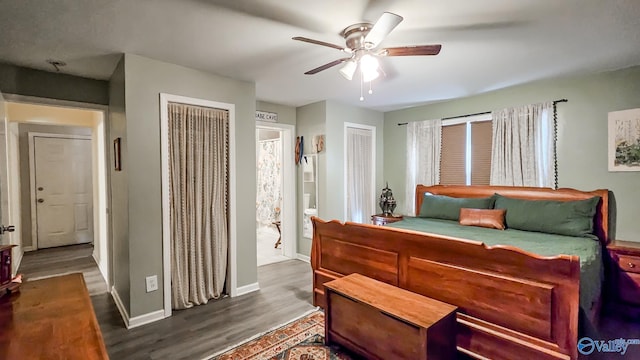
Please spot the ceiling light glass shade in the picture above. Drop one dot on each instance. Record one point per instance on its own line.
(369, 67)
(348, 69)
(370, 75)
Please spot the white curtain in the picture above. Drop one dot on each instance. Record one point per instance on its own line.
(423, 157)
(269, 181)
(359, 176)
(198, 175)
(522, 151)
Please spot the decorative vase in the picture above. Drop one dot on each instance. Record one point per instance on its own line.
(387, 202)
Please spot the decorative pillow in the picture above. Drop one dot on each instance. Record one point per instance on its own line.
(448, 208)
(571, 218)
(489, 218)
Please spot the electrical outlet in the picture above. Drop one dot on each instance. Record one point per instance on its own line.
(152, 283)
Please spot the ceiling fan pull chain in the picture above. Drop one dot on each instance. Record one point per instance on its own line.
(361, 86)
(370, 90)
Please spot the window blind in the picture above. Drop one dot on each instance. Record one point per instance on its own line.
(481, 135)
(452, 158)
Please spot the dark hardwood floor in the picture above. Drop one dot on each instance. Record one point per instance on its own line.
(64, 260)
(196, 333)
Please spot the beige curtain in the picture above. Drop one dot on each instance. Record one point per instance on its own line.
(198, 171)
(423, 158)
(522, 151)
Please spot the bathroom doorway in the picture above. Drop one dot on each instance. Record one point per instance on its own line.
(275, 194)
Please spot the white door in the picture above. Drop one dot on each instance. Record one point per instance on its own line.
(63, 188)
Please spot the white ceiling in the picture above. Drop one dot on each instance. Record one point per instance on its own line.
(486, 45)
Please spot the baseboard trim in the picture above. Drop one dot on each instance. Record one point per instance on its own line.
(28, 248)
(304, 258)
(16, 262)
(147, 318)
(136, 321)
(121, 309)
(103, 271)
(241, 290)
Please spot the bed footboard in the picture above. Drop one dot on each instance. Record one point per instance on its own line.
(512, 304)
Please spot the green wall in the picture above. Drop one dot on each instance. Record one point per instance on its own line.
(310, 121)
(286, 114)
(337, 115)
(145, 79)
(119, 190)
(582, 133)
(329, 118)
(30, 82)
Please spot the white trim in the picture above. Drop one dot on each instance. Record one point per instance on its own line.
(136, 321)
(17, 260)
(100, 267)
(289, 206)
(373, 163)
(144, 319)
(121, 309)
(32, 177)
(166, 231)
(466, 119)
(242, 290)
(14, 205)
(304, 258)
(28, 248)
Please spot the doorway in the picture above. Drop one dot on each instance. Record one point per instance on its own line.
(64, 119)
(275, 193)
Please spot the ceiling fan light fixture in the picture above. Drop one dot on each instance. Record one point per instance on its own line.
(369, 66)
(370, 75)
(349, 69)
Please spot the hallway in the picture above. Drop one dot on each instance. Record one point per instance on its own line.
(63, 260)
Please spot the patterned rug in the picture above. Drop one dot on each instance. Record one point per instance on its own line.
(301, 339)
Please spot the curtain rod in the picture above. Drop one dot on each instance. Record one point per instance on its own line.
(480, 113)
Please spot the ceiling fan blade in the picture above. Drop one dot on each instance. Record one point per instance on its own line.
(411, 50)
(385, 24)
(318, 42)
(326, 66)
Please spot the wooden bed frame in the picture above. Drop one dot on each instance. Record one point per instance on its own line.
(512, 304)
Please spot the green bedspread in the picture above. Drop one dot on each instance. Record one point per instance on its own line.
(588, 249)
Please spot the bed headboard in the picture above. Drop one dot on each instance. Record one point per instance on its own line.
(600, 220)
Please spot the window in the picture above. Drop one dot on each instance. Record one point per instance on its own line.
(466, 151)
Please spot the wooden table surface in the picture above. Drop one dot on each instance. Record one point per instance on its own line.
(50, 319)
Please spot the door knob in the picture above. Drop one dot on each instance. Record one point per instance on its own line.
(41, 200)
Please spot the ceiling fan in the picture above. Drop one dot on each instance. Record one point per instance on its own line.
(362, 40)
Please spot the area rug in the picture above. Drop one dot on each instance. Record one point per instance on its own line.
(301, 339)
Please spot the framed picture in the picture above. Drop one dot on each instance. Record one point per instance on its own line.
(624, 140)
(117, 164)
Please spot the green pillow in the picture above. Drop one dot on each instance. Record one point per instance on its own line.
(571, 218)
(448, 208)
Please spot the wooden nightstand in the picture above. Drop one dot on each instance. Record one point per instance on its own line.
(624, 279)
(381, 219)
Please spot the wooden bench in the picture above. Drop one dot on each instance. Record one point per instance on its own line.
(50, 319)
(380, 321)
